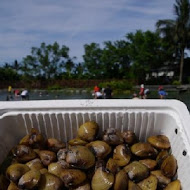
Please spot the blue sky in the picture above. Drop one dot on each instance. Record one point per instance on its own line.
(28, 23)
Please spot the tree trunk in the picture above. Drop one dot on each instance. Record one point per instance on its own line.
(181, 66)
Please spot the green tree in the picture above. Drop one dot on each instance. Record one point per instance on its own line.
(92, 60)
(79, 70)
(46, 61)
(115, 59)
(8, 74)
(29, 67)
(69, 66)
(145, 52)
(177, 31)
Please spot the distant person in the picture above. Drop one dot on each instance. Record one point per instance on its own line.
(17, 92)
(98, 95)
(9, 95)
(108, 92)
(146, 93)
(9, 89)
(141, 93)
(162, 93)
(25, 95)
(135, 96)
(96, 89)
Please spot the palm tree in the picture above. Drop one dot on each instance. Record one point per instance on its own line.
(177, 32)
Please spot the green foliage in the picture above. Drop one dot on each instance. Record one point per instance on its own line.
(8, 74)
(48, 61)
(176, 31)
(145, 52)
(55, 87)
(176, 82)
(112, 61)
(117, 85)
(92, 60)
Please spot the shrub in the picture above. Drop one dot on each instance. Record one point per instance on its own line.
(176, 82)
(55, 87)
(117, 85)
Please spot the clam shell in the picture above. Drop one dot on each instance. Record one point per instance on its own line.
(72, 177)
(102, 180)
(174, 185)
(169, 166)
(159, 141)
(122, 155)
(121, 181)
(162, 180)
(136, 171)
(149, 183)
(29, 180)
(80, 157)
(15, 171)
(100, 148)
(88, 131)
(143, 150)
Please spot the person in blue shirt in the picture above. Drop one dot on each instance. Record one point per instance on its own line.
(162, 93)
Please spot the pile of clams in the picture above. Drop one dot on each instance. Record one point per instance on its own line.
(115, 160)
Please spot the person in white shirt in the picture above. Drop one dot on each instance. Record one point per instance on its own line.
(98, 95)
(25, 95)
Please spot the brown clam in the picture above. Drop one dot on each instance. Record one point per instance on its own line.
(129, 137)
(149, 183)
(174, 185)
(100, 148)
(15, 171)
(162, 180)
(13, 186)
(122, 155)
(35, 164)
(23, 153)
(112, 166)
(54, 144)
(77, 141)
(88, 131)
(34, 139)
(162, 156)
(102, 180)
(83, 186)
(80, 157)
(143, 150)
(57, 167)
(72, 177)
(159, 141)
(136, 171)
(50, 182)
(112, 136)
(133, 186)
(149, 163)
(121, 181)
(47, 157)
(29, 180)
(169, 166)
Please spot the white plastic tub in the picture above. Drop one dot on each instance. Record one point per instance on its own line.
(61, 118)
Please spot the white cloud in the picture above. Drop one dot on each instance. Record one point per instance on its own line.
(75, 22)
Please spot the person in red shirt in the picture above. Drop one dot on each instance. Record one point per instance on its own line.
(96, 89)
(141, 93)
